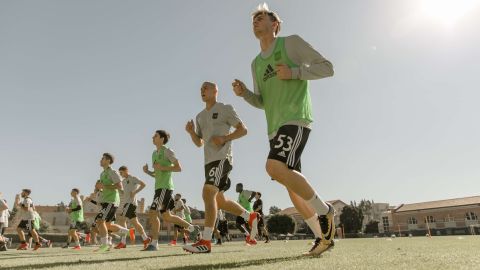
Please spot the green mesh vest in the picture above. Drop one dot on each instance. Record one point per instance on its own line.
(76, 216)
(284, 100)
(163, 179)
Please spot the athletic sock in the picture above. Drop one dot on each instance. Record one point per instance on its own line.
(245, 215)
(104, 240)
(207, 233)
(77, 244)
(124, 239)
(144, 236)
(124, 231)
(318, 205)
(314, 226)
(191, 228)
(154, 243)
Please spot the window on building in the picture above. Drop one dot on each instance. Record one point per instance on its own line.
(471, 216)
(412, 220)
(429, 219)
(386, 224)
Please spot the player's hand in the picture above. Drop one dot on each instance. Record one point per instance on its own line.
(238, 87)
(190, 127)
(145, 168)
(283, 72)
(219, 140)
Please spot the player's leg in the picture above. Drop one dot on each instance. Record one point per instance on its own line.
(136, 224)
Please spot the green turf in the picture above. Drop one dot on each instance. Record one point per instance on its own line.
(400, 253)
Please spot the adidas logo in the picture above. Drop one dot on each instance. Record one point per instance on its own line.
(282, 154)
(202, 248)
(269, 73)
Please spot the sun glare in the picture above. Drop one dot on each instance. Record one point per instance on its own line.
(447, 12)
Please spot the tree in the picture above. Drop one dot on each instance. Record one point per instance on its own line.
(196, 214)
(281, 224)
(274, 210)
(372, 227)
(351, 218)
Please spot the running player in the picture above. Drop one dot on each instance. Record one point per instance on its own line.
(179, 211)
(77, 222)
(110, 183)
(245, 200)
(25, 212)
(258, 207)
(131, 187)
(280, 78)
(164, 163)
(213, 131)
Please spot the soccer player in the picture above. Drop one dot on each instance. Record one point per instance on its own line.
(131, 187)
(258, 207)
(245, 200)
(213, 131)
(164, 163)
(36, 225)
(110, 183)
(179, 211)
(27, 216)
(77, 222)
(281, 72)
(94, 198)
(4, 215)
(188, 213)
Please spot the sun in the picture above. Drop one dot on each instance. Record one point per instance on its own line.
(447, 12)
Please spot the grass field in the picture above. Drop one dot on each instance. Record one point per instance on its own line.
(400, 253)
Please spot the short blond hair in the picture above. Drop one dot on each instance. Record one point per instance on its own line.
(262, 9)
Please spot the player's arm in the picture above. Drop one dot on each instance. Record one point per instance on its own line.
(147, 171)
(175, 167)
(253, 98)
(311, 64)
(3, 206)
(190, 128)
(117, 182)
(252, 195)
(141, 186)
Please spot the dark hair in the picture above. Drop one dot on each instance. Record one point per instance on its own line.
(178, 194)
(109, 157)
(259, 194)
(26, 190)
(76, 190)
(240, 184)
(123, 168)
(165, 135)
(184, 200)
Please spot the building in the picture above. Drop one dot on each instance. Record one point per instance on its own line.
(293, 213)
(443, 217)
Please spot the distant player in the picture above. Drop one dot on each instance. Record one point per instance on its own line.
(26, 214)
(258, 207)
(131, 187)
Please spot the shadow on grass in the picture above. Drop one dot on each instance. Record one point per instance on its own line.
(239, 264)
(86, 262)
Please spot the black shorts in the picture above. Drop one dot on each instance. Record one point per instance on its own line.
(240, 220)
(177, 227)
(26, 225)
(287, 146)
(163, 200)
(216, 174)
(107, 213)
(129, 210)
(261, 222)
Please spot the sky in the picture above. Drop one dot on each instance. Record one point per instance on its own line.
(397, 123)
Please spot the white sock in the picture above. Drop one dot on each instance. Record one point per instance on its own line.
(207, 233)
(144, 236)
(318, 205)
(77, 244)
(245, 215)
(314, 225)
(124, 240)
(124, 230)
(103, 240)
(155, 243)
(191, 228)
